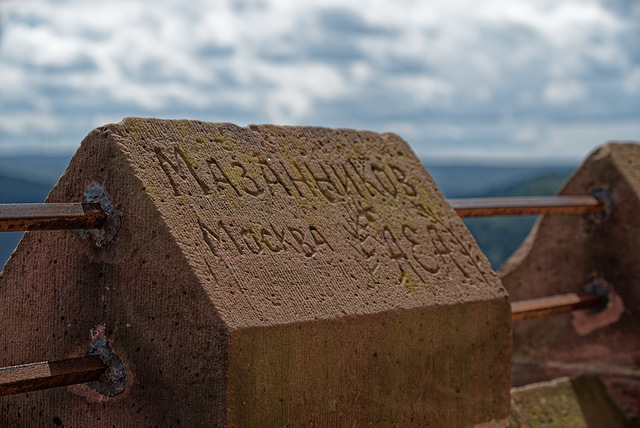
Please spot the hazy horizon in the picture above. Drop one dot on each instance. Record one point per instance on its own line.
(488, 160)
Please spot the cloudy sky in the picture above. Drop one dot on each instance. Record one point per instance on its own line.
(456, 78)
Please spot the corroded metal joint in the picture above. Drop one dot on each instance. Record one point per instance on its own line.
(601, 291)
(607, 205)
(95, 193)
(112, 381)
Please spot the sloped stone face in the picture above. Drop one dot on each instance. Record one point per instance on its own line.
(58, 290)
(292, 275)
(299, 224)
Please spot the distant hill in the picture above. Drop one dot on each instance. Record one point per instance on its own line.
(30, 178)
(36, 169)
(473, 181)
(15, 190)
(499, 237)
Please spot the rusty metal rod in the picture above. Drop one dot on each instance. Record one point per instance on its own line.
(50, 374)
(50, 216)
(536, 205)
(551, 305)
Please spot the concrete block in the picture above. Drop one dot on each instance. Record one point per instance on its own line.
(568, 253)
(579, 402)
(262, 276)
(546, 404)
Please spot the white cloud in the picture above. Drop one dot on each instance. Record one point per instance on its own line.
(527, 135)
(545, 140)
(440, 71)
(21, 122)
(564, 92)
(569, 139)
(631, 83)
(423, 90)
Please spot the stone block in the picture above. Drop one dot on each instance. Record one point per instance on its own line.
(579, 402)
(566, 254)
(262, 276)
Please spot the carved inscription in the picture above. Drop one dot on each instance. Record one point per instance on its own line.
(420, 247)
(416, 257)
(333, 183)
(226, 238)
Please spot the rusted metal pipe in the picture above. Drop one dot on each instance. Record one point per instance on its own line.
(50, 374)
(50, 216)
(536, 205)
(551, 305)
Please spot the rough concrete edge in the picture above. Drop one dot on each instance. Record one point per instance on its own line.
(542, 384)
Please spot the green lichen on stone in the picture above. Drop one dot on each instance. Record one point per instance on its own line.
(547, 404)
(579, 402)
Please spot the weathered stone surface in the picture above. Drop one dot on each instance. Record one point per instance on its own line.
(579, 402)
(566, 254)
(546, 404)
(263, 276)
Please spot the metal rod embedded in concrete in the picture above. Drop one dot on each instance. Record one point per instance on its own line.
(537, 205)
(551, 305)
(69, 216)
(50, 374)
